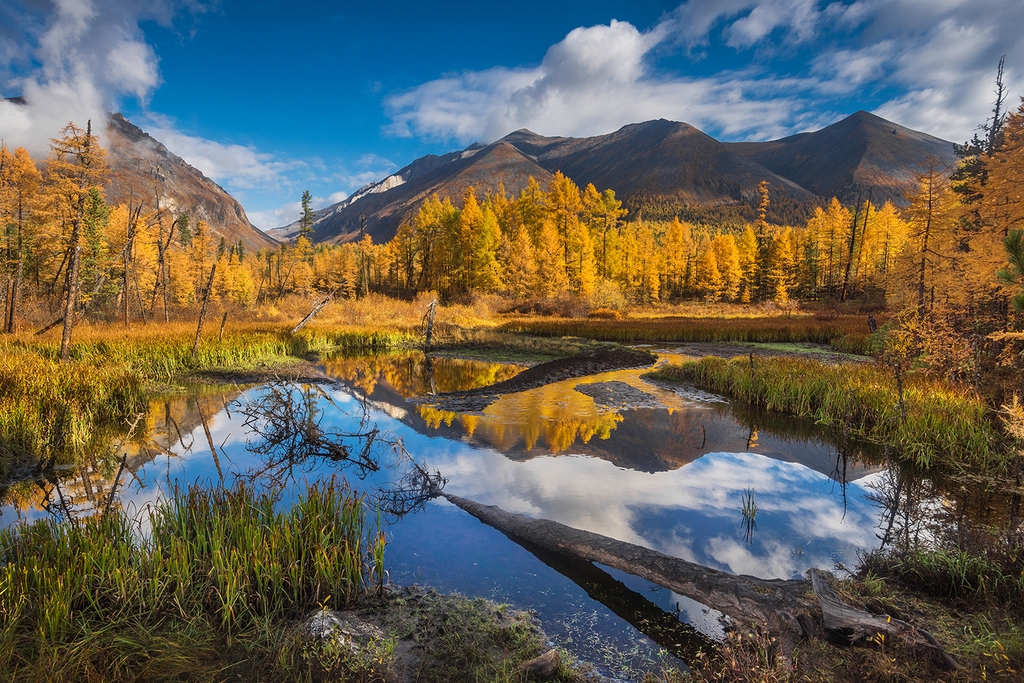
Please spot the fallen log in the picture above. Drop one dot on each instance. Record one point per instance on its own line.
(858, 625)
(779, 605)
(773, 603)
(312, 314)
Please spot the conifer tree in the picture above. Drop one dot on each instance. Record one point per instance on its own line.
(551, 278)
(20, 184)
(931, 222)
(307, 217)
(678, 250)
(75, 166)
(781, 265)
(707, 281)
(746, 248)
(727, 260)
(520, 273)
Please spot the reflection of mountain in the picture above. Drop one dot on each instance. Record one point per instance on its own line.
(556, 419)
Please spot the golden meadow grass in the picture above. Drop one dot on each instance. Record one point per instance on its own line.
(107, 598)
(696, 329)
(944, 425)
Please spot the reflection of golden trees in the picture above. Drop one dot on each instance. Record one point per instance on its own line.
(556, 414)
(412, 374)
(165, 429)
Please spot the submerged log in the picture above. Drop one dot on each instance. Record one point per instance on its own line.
(781, 606)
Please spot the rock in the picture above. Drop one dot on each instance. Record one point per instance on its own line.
(544, 667)
(616, 395)
(346, 628)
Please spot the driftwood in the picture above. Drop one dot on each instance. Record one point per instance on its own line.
(781, 606)
(858, 625)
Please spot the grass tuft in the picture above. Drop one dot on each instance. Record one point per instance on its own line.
(213, 572)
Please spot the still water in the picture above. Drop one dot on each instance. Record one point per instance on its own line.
(666, 467)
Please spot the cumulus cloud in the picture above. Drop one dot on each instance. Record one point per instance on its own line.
(74, 60)
(937, 58)
(238, 166)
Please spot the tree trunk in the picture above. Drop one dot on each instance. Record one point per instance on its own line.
(779, 605)
(202, 311)
(72, 296)
(744, 599)
(10, 319)
(312, 314)
(849, 252)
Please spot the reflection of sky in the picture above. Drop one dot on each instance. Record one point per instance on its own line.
(692, 512)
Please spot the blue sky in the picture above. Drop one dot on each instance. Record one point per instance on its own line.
(270, 98)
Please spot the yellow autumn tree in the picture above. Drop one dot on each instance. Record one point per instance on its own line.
(727, 259)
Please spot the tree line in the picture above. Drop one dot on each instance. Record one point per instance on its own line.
(63, 243)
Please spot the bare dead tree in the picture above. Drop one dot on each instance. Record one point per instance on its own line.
(202, 311)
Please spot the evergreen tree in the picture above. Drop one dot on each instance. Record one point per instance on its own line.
(307, 217)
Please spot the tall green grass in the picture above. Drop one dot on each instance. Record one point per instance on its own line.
(54, 411)
(944, 425)
(215, 570)
(690, 329)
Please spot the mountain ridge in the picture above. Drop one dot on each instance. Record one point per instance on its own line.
(657, 166)
(143, 169)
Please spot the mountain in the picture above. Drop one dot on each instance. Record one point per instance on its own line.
(647, 164)
(662, 168)
(143, 170)
(382, 207)
(655, 159)
(861, 152)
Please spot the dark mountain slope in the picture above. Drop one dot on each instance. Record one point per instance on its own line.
(663, 159)
(860, 152)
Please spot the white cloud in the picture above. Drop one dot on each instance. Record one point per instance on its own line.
(289, 212)
(938, 60)
(73, 60)
(237, 166)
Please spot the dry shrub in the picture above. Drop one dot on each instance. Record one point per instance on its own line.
(744, 657)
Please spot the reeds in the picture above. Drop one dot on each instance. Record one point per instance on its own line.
(216, 566)
(944, 425)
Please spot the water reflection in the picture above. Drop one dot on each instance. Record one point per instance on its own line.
(612, 453)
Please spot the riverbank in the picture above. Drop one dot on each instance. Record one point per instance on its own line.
(925, 421)
(219, 587)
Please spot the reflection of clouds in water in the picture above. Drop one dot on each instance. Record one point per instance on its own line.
(705, 619)
(692, 512)
(797, 506)
(774, 561)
